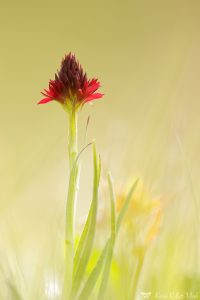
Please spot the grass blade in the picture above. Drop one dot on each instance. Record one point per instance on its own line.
(109, 256)
(13, 291)
(125, 206)
(86, 241)
(94, 275)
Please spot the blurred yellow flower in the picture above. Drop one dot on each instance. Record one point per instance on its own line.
(154, 228)
(143, 218)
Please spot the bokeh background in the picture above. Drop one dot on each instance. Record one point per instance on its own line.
(146, 56)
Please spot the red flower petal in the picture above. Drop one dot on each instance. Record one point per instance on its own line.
(93, 97)
(45, 100)
(92, 88)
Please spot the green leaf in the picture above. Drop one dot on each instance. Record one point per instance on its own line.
(92, 279)
(109, 256)
(112, 205)
(94, 275)
(13, 291)
(85, 245)
(125, 206)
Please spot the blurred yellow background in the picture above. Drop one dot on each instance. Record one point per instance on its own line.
(146, 55)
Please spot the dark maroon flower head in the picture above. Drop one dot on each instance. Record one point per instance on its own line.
(71, 87)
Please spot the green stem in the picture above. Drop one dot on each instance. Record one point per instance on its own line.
(137, 276)
(72, 144)
(71, 199)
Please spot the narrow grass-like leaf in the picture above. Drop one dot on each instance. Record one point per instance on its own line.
(109, 256)
(94, 275)
(125, 206)
(112, 205)
(13, 291)
(86, 241)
